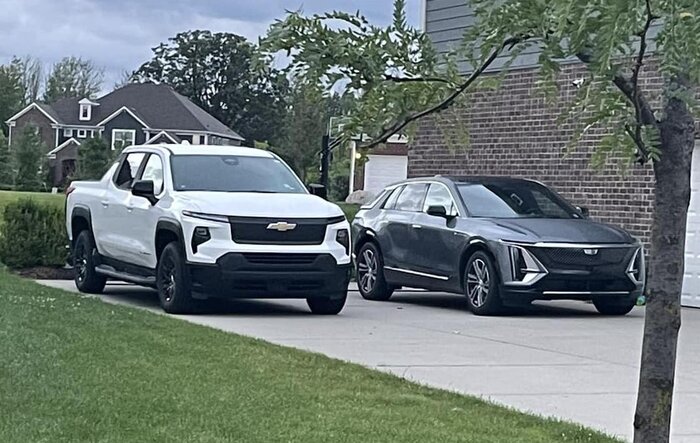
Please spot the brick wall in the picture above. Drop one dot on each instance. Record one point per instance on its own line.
(514, 132)
(38, 119)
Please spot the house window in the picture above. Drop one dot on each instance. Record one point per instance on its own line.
(85, 112)
(82, 133)
(121, 138)
(68, 133)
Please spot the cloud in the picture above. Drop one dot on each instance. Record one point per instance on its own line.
(118, 34)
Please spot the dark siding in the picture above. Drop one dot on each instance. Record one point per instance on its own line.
(124, 121)
(447, 20)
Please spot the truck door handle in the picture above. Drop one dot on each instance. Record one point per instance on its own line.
(129, 208)
(417, 226)
(105, 203)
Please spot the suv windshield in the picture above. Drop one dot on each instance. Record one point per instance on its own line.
(516, 199)
(233, 173)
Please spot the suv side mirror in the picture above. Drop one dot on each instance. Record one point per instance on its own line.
(319, 190)
(437, 211)
(583, 210)
(145, 189)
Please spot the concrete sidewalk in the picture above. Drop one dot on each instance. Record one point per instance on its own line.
(560, 359)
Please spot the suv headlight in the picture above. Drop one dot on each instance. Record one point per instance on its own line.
(525, 268)
(635, 270)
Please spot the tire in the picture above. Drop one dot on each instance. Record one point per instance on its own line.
(327, 305)
(614, 306)
(481, 285)
(172, 281)
(370, 274)
(86, 278)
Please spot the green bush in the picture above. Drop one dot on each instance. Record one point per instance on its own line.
(32, 234)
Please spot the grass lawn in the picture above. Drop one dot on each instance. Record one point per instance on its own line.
(42, 197)
(76, 369)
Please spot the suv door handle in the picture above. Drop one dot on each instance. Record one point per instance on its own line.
(105, 203)
(417, 226)
(129, 208)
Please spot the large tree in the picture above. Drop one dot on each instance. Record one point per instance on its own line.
(73, 77)
(32, 74)
(401, 79)
(215, 71)
(11, 93)
(28, 152)
(94, 158)
(7, 174)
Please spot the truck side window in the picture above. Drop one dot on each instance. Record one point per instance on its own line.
(154, 172)
(128, 169)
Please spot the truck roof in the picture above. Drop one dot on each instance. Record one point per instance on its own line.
(183, 149)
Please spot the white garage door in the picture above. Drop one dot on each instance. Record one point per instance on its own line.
(691, 277)
(382, 170)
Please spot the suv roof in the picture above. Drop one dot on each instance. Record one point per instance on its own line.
(176, 149)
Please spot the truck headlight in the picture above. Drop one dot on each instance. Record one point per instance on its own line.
(343, 237)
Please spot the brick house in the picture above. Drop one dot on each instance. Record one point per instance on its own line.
(134, 114)
(514, 132)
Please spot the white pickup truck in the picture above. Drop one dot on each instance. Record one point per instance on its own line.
(208, 221)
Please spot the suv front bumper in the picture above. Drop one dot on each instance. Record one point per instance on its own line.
(271, 275)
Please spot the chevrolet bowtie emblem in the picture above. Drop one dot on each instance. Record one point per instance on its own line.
(590, 251)
(281, 226)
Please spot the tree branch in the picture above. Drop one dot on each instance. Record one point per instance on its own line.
(394, 79)
(447, 102)
(644, 114)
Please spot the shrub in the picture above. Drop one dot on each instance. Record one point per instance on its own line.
(94, 158)
(32, 234)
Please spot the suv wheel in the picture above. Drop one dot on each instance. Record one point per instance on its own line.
(327, 305)
(86, 279)
(370, 274)
(172, 281)
(614, 306)
(481, 285)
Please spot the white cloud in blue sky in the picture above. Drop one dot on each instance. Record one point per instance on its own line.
(118, 35)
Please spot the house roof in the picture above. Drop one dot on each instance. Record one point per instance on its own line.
(157, 105)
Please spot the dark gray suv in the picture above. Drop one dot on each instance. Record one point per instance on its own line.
(499, 241)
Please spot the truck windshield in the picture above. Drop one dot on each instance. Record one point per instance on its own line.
(233, 173)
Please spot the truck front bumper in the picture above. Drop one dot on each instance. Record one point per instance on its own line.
(270, 275)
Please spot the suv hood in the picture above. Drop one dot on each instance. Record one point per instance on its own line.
(560, 231)
(254, 204)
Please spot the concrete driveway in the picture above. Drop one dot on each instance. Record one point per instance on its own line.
(560, 359)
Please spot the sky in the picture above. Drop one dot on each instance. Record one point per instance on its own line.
(118, 34)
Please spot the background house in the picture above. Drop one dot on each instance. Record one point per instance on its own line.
(514, 132)
(134, 114)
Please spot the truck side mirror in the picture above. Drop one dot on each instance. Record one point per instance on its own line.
(145, 189)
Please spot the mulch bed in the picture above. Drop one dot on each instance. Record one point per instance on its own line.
(45, 273)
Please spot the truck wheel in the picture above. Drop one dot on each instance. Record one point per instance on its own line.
(614, 306)
(86, 279)
(174, 290)
(327, 305)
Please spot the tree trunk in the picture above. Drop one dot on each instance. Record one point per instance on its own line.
(652, 420)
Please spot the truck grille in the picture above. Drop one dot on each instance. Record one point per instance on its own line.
(579, 257)
(260, 258)
(254, 230)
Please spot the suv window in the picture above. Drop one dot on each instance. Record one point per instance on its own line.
(128, 169)
(391, 201)
(154, 172)
(439, 195)
(411, 198)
